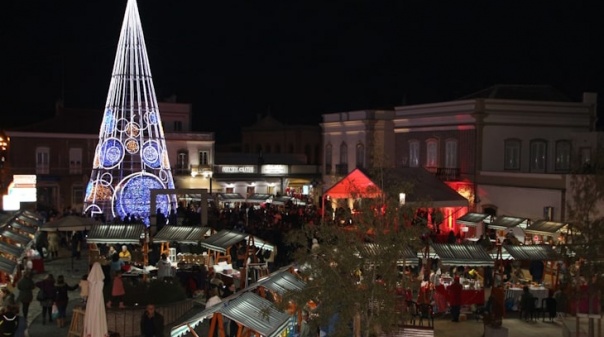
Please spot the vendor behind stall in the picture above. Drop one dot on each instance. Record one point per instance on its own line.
(125, 254)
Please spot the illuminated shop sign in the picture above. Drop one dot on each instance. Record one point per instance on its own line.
(274, 169)
(238, 169)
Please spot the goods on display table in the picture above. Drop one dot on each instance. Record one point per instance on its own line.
(514, 293)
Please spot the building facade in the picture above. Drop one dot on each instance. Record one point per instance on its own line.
(508, 149)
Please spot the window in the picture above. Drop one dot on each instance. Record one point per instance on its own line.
(538, 159)
(451, 153)
(562, 155)
(42, 157)
(511, 154)
(360, 154)
(75, 161)
(585, 157)
(182, 161)
(343, 153)
(432, 153)
(229, 190)
(251, 190)
(267, 148)
(328, 158)
(414, 153)
(77, 195)
(204, 158)
(177, 126)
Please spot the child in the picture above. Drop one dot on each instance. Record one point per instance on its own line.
(117, 291)
(84, 288)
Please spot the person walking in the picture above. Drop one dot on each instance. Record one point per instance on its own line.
(164, 267)
(62, 298)
(9, 321)
(53, 244)
(152, 323)
(46, 296)
(455, 290)
(26, 288)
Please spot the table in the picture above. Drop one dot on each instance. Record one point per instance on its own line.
(539, 292)
(468, 296)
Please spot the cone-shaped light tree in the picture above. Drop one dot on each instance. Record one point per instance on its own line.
(131, 157)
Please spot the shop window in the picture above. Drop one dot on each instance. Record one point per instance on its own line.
(75, 161)
(511, 154)
(414, 153)
(250, 190)
(538, 156)
(432, 153)
(360, 155)
(563, 155)
(451, 153)
(42, 160)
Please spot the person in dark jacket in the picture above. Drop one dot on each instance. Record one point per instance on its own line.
(9, 321)
(46, 296)
(455, 290)
(62, 298)
(152, 323)
(26, 288)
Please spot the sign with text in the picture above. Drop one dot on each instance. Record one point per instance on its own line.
(274, 169)
(237, 169)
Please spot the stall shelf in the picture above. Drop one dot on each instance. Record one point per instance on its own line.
(17, 238)
(15, 252)
(7, 268)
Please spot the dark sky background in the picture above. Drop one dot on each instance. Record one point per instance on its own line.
(236, 59)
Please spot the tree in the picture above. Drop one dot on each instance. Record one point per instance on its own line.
(357, 270)
(587, 195)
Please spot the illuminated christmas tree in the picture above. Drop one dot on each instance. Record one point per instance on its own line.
(131, 157)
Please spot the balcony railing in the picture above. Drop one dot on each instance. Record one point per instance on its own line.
(447, 173)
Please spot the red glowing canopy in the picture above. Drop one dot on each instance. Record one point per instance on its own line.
(356, 184)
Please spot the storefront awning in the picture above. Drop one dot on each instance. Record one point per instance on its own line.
(545, 227)
(281, 282)
(507, 222)
(250, 310)
(461, 254)
(285, 200)
(258, 198)
(532, 252)
(230, 197)
(15, 237)
(407, 256)
(7, 265)
(11, 249)
(222, 240)
(70, 223)
(182, 234)
(19, 226)
(472, 219)
(116, 234)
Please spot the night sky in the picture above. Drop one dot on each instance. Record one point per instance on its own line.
(236, 59)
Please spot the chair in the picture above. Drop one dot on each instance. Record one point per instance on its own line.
(549, 308)
(528, 305)
(419, 312)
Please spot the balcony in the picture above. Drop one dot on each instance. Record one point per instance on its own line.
(447, 173)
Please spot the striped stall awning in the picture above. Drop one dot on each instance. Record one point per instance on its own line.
(182, 234)
(453, 254)
(532, 252)
(116, 233)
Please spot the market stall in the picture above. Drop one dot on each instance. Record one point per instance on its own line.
(7, 270)
(476, 220)
(229, 200)
(545, 253)
(219, 250)
(119, 234)
(465, 255)
(190, 269)
(506, 224)
(70, 223)
(544, 230)
(258, 198)
(244, 309)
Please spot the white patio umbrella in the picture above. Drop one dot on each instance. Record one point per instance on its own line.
(95, 320)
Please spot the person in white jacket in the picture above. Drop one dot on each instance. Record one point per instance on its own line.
(164, 267)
